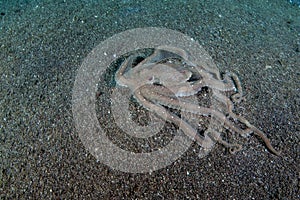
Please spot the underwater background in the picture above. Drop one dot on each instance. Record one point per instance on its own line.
(42, 45)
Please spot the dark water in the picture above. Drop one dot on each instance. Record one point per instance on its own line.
(295, 2)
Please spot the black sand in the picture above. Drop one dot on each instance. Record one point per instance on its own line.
(43, 44)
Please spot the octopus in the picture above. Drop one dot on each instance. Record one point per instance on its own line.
(160, 83)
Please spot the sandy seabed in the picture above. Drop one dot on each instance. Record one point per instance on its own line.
(43, 43)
